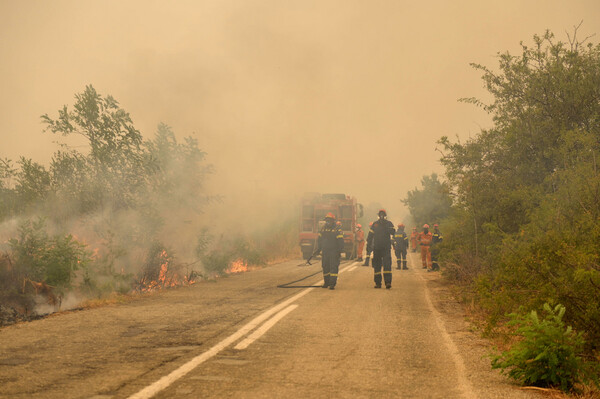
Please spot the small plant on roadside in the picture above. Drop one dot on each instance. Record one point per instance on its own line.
(49, 259)
(548, 354)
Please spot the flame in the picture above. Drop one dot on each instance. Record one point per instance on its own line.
(239, 266)
(168, 276)
(162, 276)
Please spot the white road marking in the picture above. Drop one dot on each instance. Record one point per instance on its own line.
(463, 382)
(351, 268)
(170, 378)
(167, 380)
(264, 328)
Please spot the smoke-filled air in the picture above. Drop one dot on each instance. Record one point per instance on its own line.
(153, 144)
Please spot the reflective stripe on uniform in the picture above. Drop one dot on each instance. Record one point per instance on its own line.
(377, 273)
(325, 274)
(333, 274)
(387, 272)
(340, 236)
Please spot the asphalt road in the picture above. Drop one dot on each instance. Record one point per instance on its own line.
(243, 337)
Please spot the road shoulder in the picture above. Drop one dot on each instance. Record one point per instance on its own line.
(474, 349)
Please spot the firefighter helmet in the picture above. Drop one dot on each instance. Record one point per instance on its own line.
(436, 225)
(359, 226)
(330, 215)
(370, 224)
(338, 223)
(401, 225)
(425, 226)
(382, 210)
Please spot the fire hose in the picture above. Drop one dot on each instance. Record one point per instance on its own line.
(289, 285)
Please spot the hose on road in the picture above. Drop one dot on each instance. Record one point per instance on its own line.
(289, 285)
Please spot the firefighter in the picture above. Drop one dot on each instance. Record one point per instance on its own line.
(379, 241)
(424, 239)
(414, 236)
(368, 257)
(436, 239)
(359, 238)
(331, 242)
(400, 247)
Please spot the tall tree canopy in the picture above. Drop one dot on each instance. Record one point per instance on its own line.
(527, 190)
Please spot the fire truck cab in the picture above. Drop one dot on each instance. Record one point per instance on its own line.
(313, 209)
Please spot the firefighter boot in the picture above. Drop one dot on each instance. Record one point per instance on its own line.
(325, 281)
(367, 259)
(398, 264)
(404, 267)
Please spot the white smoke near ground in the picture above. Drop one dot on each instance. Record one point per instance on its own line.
(69, 302)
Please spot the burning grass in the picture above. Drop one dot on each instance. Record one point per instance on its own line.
(237, 266)
(160, 272)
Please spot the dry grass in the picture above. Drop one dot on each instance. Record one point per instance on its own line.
(113, 299)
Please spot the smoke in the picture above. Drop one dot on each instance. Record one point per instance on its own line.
(285, 98)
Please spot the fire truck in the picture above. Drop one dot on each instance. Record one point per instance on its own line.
(313, 209)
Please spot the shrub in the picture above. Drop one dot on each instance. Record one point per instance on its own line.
(548, 354)
(50, 259)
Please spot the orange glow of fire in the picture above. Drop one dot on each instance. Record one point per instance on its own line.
(162, 276)
(166, 277)
(239, 266)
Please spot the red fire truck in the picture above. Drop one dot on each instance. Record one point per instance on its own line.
(313, 210)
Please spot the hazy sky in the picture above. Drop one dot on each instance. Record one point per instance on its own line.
(285, 96)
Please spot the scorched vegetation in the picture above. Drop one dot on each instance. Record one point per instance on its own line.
(124, 214)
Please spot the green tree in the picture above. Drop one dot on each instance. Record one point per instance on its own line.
(527, 190)
(8, 196)
(178, 169)
(431, 203)
(33, 182)
(114, 170)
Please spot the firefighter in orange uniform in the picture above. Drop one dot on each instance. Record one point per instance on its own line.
(425, 238)
(359, 237)
(414, 237)
(331, 242)
(379, 241)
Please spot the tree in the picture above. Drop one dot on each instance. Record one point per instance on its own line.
(33, 182)
(527, 190)
(431, 203)
(8, 196)
(114, 169)
(178, 170)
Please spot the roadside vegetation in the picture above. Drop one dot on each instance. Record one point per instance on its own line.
(124, 215)
(522, 234)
